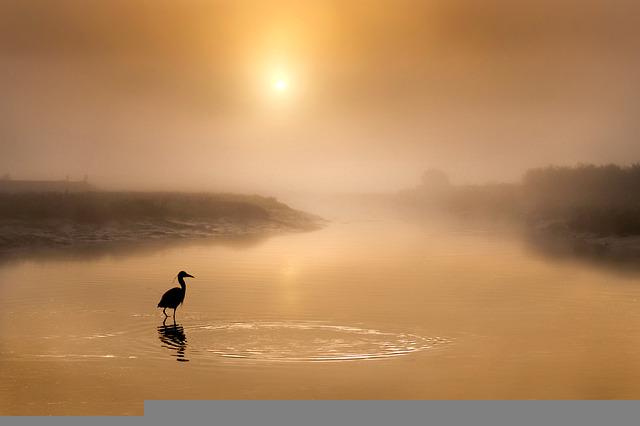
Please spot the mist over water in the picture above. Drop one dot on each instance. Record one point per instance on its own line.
(418, 248)
(180, 96)
(365, 308)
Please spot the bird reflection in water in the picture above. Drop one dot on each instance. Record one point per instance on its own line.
(172, 337)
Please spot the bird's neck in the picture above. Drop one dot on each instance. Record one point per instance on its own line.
(182, 283)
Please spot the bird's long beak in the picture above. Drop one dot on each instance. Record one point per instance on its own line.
(189, 275)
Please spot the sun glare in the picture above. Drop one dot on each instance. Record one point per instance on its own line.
(280, 85)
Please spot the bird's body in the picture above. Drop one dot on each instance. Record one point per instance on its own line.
(174, 296)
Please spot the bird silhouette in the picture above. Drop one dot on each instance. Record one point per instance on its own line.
(174, 296)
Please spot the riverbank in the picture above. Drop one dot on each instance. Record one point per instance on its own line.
(57, 220)
(587, 209)
(559, 239)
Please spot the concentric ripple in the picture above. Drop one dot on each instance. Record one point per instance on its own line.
(303, 342)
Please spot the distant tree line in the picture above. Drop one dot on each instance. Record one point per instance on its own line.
(602, 200)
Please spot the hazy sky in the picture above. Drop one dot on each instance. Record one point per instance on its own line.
(180, 94)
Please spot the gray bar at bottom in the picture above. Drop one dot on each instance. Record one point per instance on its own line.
(364, 413)
(394, 413)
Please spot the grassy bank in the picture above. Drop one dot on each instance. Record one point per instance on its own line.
(59, 219)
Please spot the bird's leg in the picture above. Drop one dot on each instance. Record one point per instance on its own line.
(164, 312)
(174, 314)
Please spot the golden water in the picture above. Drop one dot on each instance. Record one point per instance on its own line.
(358, 310)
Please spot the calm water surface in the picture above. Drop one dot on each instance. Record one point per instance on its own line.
(365, 309)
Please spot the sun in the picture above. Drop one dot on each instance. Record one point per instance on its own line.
(280, 85)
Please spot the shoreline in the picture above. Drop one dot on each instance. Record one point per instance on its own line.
(558, 238)
(216, 216)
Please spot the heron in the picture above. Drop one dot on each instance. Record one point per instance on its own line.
(174, 296)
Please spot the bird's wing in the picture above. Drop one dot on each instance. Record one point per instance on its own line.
(168, 296)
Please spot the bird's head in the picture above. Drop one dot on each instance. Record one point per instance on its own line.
(183, 274)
